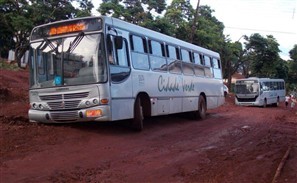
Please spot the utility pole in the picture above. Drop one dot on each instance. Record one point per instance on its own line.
(196, 16)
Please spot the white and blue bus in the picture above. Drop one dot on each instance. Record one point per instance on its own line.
(105, 69)
(259, 91)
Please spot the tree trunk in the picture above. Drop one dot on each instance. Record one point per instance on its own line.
(19, 53)
(229, 75)
(194, 22)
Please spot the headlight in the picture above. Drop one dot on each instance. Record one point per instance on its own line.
(40, 106)
(95, 101)
(88, 103)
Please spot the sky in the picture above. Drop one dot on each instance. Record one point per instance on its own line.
(246, 17)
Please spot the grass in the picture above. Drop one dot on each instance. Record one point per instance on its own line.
(4, 65)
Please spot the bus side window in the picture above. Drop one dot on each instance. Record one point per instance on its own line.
(157, 56)
(207, 61)
(265, 86)
(122, 54)
(185, 55)
(177, 53)
(139, 52)
(197, 58)
(174, 65)
(41, 65)
(282, 85)
(216, 68)
(198, 68)
(270, 86)
(110, 50)
(277, 85)
(187, 65)
(216, 63)
(202, 59)
(207, 69)
(120, 70)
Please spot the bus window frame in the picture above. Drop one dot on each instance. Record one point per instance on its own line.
(173, 61)
(144, 53)
(161, 55)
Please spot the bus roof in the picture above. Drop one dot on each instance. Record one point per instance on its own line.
(138, 30)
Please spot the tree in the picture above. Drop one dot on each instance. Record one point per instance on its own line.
(132, 10)
(85, 8)
(293, 53)
(111, 7)
(264, 53)
(16, 18)
(209, 33)
(292, 68)
(179, 14)
(232, 58)
(6, 38)
(179, 11)
(160, 25)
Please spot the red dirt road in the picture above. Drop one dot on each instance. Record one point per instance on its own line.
(234, 144)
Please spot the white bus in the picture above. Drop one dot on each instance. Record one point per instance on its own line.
(259, 91)
(105, 69)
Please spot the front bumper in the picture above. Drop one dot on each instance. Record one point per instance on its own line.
(69, 116)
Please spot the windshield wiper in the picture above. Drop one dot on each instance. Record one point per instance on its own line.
(75, 42)
(48, 43)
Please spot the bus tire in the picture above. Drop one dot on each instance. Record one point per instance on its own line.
(265, 103)
(201, 107)
(137, 123)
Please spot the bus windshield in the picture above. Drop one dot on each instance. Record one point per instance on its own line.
(247, 87)
(67, 61)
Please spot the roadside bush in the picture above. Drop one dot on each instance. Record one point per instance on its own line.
(8, 65)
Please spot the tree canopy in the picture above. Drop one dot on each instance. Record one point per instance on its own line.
(259, 56)
(292, 71)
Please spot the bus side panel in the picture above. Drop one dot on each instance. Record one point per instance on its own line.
(271, 97)
(122, 108)
(122, 101)
(190, 104)
(174, 107)
(162, 107)
(164, 90)
(190, 93)
(214, 92)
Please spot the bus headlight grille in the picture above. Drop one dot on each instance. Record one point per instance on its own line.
(64, 96)
(68, 104)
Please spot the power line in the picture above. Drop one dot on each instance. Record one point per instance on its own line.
(261, 30)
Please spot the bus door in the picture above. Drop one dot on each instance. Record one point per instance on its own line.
(120, 80)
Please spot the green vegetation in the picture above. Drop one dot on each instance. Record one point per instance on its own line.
(7, 66)
(259, 56)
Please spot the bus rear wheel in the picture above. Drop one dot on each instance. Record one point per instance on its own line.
(137, 123)
(277, 103)
(201, 107)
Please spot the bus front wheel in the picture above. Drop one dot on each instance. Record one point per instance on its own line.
(137, 123)
(201, 107)
(265, 103)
